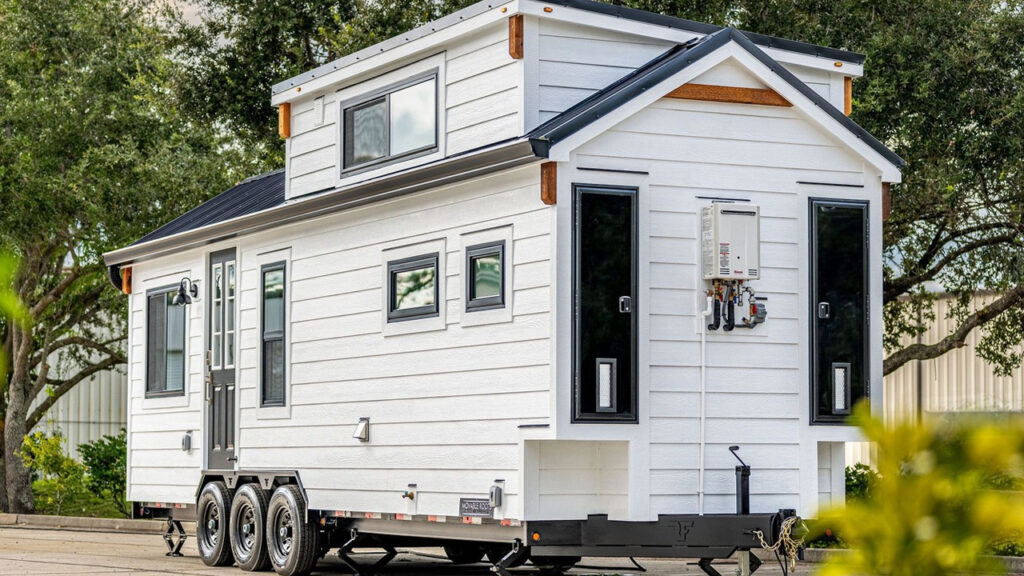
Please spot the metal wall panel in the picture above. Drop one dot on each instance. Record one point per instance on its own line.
(958, 381)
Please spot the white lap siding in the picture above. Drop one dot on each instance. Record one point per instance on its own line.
(445, 405)
(158, 469)
(756, 379)
(483, 104)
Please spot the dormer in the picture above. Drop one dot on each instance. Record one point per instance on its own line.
(485, 75)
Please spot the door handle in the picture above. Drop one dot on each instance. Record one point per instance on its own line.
(625, 304)
(824, 310)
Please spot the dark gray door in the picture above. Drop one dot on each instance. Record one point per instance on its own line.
(221, 305)
(605, 303)
(839, 308)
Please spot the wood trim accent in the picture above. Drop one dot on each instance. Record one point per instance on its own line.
(886, 201)
(284, 120)
(847, 95)
(714, 93)
(515, 36)
(126, 280)
(549, 183)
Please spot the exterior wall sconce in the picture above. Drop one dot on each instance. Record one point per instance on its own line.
(187, 290)
(362, 432)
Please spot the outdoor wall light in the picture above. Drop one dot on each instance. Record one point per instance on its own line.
(362, 432)
(187, 290)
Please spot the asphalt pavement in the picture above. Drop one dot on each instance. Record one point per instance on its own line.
(39, 552)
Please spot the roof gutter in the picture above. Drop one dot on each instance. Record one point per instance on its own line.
(512, 154)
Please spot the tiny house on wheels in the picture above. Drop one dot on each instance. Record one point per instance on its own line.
(530, 274)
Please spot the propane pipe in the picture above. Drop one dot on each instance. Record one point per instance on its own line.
(703, 389)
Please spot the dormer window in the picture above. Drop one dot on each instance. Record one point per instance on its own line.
(397, 122)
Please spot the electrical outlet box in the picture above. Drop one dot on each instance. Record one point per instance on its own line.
(731, 242)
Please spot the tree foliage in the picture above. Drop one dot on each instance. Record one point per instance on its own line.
(95, 152)
(947, 493)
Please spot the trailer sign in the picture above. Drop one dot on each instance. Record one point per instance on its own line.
(475, 507)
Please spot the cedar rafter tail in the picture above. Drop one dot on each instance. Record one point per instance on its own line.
(735, 94)
(515, 36)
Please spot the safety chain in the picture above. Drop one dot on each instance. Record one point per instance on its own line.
(786, 544)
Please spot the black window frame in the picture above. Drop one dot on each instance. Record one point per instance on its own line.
(474, 304)
(405, 265)
(163, 392)
(838, 418)
(275, 336)
(599, 416)
(370, 98)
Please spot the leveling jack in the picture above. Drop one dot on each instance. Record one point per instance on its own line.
(174, 541)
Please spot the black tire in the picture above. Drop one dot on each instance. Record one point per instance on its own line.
(496, 552)
(464, 552)
(212, 525)
(291, 537)
(248, 528)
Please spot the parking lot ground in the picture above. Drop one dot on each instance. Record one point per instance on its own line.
(40, 552)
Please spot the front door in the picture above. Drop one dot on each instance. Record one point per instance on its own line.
(220, 356)
(839, 308)
(605, 304)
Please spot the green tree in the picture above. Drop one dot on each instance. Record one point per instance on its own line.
(106, 461)
(62, 476)
(94, 153)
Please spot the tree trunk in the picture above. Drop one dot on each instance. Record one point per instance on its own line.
(18, 481)
(3, 476)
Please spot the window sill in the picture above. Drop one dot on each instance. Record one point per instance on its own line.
(164, 400)
(274, 412)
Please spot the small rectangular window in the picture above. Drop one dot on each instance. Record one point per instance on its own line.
(273, 366)
(165, 344)
(485, 276)
(400, 121)
(412, 288)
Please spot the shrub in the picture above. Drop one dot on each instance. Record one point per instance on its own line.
(947, 494)
(60, 476)
(860, 478)
(105, 460)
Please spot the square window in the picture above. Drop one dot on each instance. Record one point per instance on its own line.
(485, 276)
(397, 122)
(413, 288)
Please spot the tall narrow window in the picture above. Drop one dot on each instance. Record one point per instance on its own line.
(397, 122)
(485, 276)
(412, 288)
(273, 298)
(165, 344)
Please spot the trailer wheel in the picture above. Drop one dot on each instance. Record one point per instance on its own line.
(291, 537)
(212, 525)
(248, 528)
(464, 552)
(496, 552)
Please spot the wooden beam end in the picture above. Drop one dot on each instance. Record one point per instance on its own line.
(549, 183)
(515, 36)
(734, 94)
(284, 120)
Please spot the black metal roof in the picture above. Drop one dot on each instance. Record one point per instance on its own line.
(587, 5)
(669, 63)
(248, 196)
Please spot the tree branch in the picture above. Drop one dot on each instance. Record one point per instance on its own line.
(896, 287)
(66, 385)
(1009, 299)
(42, 382)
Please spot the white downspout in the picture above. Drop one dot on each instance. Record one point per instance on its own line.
(708, 311)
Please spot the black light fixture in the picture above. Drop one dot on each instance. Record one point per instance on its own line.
(187, 290)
